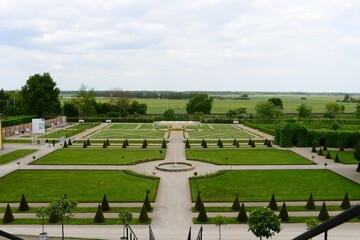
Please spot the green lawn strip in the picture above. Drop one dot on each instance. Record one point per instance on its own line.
(76, 221)
(123, 126)
(345, 157)
(242, 142)
(289, 208)
(232, 220)
(253, 156)
(119, 142)
(130, 134)
(71, 131)
(287, 185)
(82, 186)
(102, 156)
(12, 156)
(219, 134)
(15, 209)
(17, 140)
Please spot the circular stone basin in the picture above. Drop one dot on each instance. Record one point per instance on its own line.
(175, 167)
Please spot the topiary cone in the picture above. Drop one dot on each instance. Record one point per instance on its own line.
(345, 204)
(23, 206)
(310, 203)
(265, 141)
(273, 205)
(323, 215)
(99, 216)
(320, 152)
(124, 145)
(69, 142)
(337, 159)
(198, 202)
(253, 144)
(283, 215)
(105, 204)
(143, 215)
(88, 142)
(202, 142)
(313, 149)
(147, 203)
(218, 142)
(163, 145)
(107, 142)
(187, 144)
(127, 142)
(65, 144)
(236, 203)
(324, 147)
(104, 144)
(221, 144)
(249, 142)
(8, 216)
(269, 143)
(202, 217)
(144, 145)
(328, 156)
(205, 144)
(234, 142)
(242, 216)
(84, 144)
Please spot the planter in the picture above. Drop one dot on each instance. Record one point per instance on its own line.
(43, 236)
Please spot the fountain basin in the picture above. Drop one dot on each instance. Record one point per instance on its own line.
(175, 167)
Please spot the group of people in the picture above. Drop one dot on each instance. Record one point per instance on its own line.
(47, 144)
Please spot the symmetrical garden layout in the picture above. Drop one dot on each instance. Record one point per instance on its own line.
(254, 172)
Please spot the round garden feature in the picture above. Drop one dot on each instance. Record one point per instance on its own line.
(175, 167)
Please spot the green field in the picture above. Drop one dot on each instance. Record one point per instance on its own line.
(287, 185)
(246, 156)
(12, 156)
(100, 156)
(82, 186)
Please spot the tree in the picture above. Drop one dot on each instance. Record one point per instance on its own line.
(143, 217)
(70, 110)
(99, 216)
(332, 109)
(23, 206)
(198, 202)
(85, 101)
(201, 102)
(236, 113)
(40, 95)
(136, 107)
(125, 218)
(323, 215)
(105, 204)
(220, 220)
(310, 203)
(304, 111)
(272, 203)
(147, 201)
(236, 203)
(263, 222)
(169, 114)
(62, 208)
(242, 216)
(8, 216)
(345, 204)
(267, 111)
(120, 99)
(202, 217)
(277, 102)
(346, 98)
(42, 213)
(311, 223)
(283, 215)
(357, 111)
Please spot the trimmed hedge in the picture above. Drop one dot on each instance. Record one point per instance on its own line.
(286, 132)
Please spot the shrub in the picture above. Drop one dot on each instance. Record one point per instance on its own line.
(337, 159)
(143, 215)
(105, 204)
(242, 216)
(313, 150)
(273, 204)
(334, 126)
(145, 144)
(84, 144)
(124, 145)
(187, 144)
(65, 145)
(202, 217)
(221, 144)
(235, 142)
(107, 142)
(127, 142)
(249, 142)
(310, 203)
(265, 142)
(323, 215)
(88, 142)
(104, 144)
(99, 216)
(269, 143)
(205, 144)
(253, 144)
(69, 142)
(53, 218)
(345, 204)
(163, 145)
(325, 147)
(202, 142)
(341, 149)
(24, 206)
(320, 153)
(328, 156)
(236, 203)
(198, 202)
(147, 202)
(283, 215)
(218, 142)
(8, 216)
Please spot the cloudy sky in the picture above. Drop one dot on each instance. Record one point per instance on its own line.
(180, 45)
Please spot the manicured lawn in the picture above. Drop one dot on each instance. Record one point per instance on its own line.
(77, 221)
(82, 186)
(235, 133)
(15, 155)
(101, 156)
(123, 126)
(70, 131)
(252, 156)
(345, 157)
(287, 185)
(289, 208)
(15, 209)
(126, 133)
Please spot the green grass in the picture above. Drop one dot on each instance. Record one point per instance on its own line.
(12, 156)
(345, 157)
(100, 156)
(259, 185)
(14, 209)
(218, 131)
(123, 126)
(82, 186)
(76, 221)
(246, 156)
(71, 131)
(289, 208)
(131, 134)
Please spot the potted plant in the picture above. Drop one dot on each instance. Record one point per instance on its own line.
(42, 213)
(125, 218)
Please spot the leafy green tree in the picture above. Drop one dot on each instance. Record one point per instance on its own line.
(120, 99)
(267, 111)
(201, 102)
(85, 101)
(70, 110)
(311, 223)
(125, 218)
(357, 111)
(40, 95)
(136, 107)
(332, 109)
(169, 114)
(236, 113)
(42, 213)
(277, 102)
(304, 111)
(263, 222)
(62, 208)
(219, 221)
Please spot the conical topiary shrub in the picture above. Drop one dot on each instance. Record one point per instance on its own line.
(313, 149)
(65, 145)
(163, 145)
(144, 145)
(310, 203)
(345, 204)
(85, 145)
(221, 144)
(328, 155)
(253, 144)
(269, 144)
(8, 216)
(202, 217)
(88, 142)
(99, 216)
(236, 203)
(337, 159)
(218, 142)
(124, 145)
(273, 205)
(198, 202)
(202, 142)
(237, 144)
(107, 142)
(69, 142)
(242, 216)
(324, 147)
(105, 204)
(104, 144)
(234, 142)
(147, 202)
(205, 144)
(265, 142)
(341, 149)
(320, 152)
(127, 142)
(187, 144)
(323, 215)
(283, 215)
(143, 215)
(23, 206)
(250, 142)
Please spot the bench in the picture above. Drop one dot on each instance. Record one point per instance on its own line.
(81, 120)
(108, 121)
